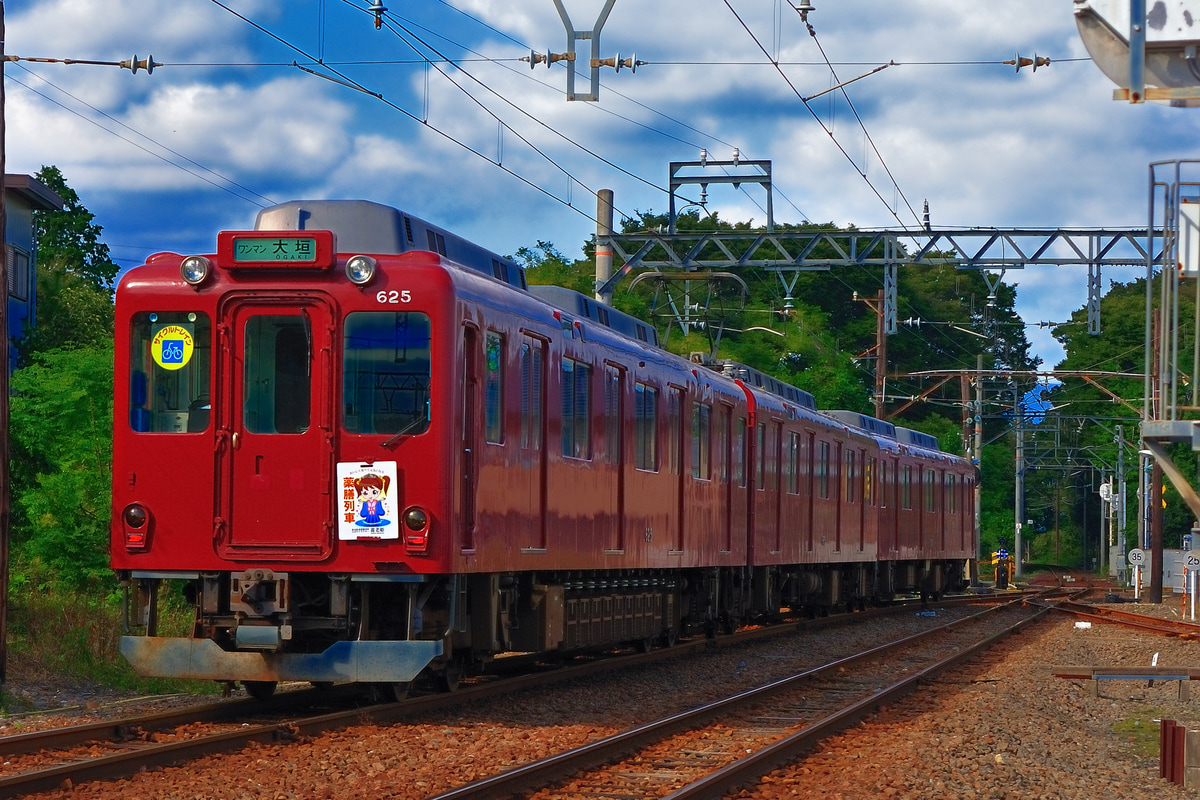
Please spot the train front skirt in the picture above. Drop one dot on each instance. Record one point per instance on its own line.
(357, 661)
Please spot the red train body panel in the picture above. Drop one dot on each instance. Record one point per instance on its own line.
(364, 459)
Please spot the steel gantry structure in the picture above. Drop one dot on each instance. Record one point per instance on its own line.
(787, 253)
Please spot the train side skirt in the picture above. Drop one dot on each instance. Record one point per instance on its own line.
(203, 659)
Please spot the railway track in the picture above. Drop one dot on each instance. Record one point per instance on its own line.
(48, 760)
(1129, 619)
(711, 749)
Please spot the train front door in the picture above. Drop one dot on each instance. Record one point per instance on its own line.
(273, 412)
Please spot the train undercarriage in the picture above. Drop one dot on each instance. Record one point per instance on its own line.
(259, 626)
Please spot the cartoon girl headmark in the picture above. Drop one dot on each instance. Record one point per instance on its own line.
(372, 490)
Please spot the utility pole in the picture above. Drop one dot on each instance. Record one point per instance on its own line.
(604, 253)
(1019, 490)
(5, 475)
(880, 350)
(978, 459)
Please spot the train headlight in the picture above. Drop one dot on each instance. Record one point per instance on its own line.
(360, 269)
(135, 524)
(416, 538)
(195, 269)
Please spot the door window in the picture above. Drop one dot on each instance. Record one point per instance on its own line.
(277, 374)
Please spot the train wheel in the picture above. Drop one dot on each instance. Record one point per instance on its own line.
(669, 638)
(645, 645)
(450, 677)
(259, 690)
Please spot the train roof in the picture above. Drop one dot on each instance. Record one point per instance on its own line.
(917, 439)
(362, 226)
(757, 378)
(583, 306)
(857, 420)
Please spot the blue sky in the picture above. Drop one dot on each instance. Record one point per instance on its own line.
(228, 124)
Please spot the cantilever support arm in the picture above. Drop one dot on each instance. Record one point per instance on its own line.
(1185, 489)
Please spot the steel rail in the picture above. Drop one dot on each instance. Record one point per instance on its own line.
(1129, 619)
(545, 771)
(751, 768)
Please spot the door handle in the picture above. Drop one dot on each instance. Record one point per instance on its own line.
(235, 440)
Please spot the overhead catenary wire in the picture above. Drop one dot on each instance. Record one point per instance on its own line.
(814, 114)
(351, 83)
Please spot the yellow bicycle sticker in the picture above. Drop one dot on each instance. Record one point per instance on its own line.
(171, 347)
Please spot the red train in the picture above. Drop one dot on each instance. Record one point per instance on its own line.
(367, 451)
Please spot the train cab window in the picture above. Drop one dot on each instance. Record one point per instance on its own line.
(576, 409)
(169, 372)
(386, 369)
(493, 389)
(645, 427)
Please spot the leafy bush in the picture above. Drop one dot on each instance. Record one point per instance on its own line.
(61, 429)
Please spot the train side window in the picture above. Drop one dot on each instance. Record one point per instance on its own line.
(532, 398)
(906, 488)
(948, 494)
(930, 490)
(761, 478)
(169, 372)
(791, 463)
(385, 372)
(849, 476)
(883, 483)
(739, 454)
(823, 470)
(493, 390)
(645, 428)
(721, 449)
(869, 481)
(576, 409)
(614, 396)
(701, 441)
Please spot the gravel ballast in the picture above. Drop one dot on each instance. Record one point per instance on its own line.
(1000, 727)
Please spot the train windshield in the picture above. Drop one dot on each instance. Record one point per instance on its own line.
(386, 362)
(169, 366)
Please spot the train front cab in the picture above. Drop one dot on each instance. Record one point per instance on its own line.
(247, 416)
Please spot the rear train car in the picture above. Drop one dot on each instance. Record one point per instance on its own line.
(366, 451)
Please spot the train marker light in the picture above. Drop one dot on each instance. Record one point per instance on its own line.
(195, 269)
(360, 269)
(136, 527)
(416, 538)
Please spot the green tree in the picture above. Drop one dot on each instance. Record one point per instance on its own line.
(74, 277)
(71, 238)
(61, 434)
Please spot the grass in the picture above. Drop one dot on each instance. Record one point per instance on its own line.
(1140, 732)
(72, 637)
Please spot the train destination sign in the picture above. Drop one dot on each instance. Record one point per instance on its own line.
(276, 249)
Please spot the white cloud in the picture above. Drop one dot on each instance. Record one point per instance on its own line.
(985, 145)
